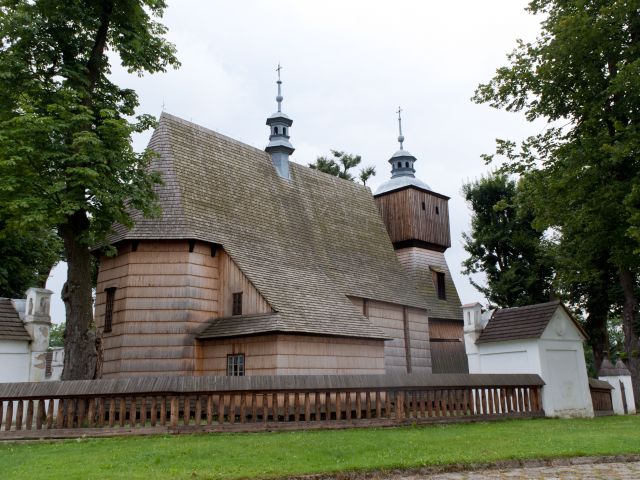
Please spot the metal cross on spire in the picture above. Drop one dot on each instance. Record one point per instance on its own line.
(400, 136)
(279, 97)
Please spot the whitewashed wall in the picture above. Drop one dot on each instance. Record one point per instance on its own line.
(15, 357)
(558, 357)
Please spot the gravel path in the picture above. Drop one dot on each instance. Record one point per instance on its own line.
(613, 471)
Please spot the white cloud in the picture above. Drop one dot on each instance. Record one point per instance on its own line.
(347, 66)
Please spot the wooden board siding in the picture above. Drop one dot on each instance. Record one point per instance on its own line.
(164, 295)
(235, 281)
(260, 355)
(390, 318)
(445, 329)
(449, 357)
(405, 219)
(283, 354)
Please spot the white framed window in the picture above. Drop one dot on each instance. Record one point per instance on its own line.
(235, 365)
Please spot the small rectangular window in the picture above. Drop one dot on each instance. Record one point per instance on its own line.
(237, 304)
(442, 294)
(235, 365)
(108, 313)
(437, 210)
(423, 206)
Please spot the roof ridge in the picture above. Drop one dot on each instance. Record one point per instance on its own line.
(197, 126)
(528, 307)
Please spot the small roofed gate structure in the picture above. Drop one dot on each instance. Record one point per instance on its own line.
(543, 339)
(601, 397)
(147, 405)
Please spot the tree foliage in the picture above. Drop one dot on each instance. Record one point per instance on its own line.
(505, 246)
(340, 164)
(66, 159)
(56, 335)
(27, 258)
(583, 76)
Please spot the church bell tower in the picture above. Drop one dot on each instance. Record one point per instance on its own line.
(415, 215)
(417, 220)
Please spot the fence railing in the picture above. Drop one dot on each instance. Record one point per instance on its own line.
(143, 405)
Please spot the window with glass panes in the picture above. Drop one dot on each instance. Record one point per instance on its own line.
(235, 365)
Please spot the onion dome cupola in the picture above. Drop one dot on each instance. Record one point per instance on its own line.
(279, 146)
(415, 215)
(402, 168)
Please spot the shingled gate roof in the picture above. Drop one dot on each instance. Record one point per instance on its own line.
(305, 243)
(520, 323)
(11, 327)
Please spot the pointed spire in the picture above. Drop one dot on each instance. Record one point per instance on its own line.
(279, 147)
(400, 137)
(401, 161)
(279, 82)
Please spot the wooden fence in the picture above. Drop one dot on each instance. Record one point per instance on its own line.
(144, 405)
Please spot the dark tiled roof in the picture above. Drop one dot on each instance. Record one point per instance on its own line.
(521, 322)
(305, 243)
(11, 327)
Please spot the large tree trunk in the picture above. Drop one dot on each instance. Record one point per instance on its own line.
(596, 327)
(598, 306)
(79, 342)
(631, 341)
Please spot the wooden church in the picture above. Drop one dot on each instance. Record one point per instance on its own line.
(261, 266)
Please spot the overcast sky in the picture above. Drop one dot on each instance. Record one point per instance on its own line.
(347, 66)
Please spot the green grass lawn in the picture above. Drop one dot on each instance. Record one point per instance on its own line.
(290, 453)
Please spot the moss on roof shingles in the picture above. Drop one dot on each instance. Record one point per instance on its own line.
(305, 243)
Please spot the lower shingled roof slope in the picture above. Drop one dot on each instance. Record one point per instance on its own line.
(305, 243)
(241, 325)
(11, 326)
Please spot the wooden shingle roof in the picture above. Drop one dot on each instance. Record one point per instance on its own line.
(520, 323)
(242, 325)
(11, 327)
(305, 243)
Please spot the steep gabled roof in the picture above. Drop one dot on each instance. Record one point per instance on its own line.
(11, 327)
(520, 323)
(305, 243)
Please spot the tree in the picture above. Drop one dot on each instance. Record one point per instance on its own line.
(66, 159)
(583, 76)
(27, 259)
(340, 164)
(56, 335)
(505, 246)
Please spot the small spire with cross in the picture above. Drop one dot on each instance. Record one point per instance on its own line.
(279, 97)
(279, 123)
(400, 136)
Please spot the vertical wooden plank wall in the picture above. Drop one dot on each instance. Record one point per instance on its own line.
(402, 213)
(295, 355)
(390, 318)
(233, 281)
